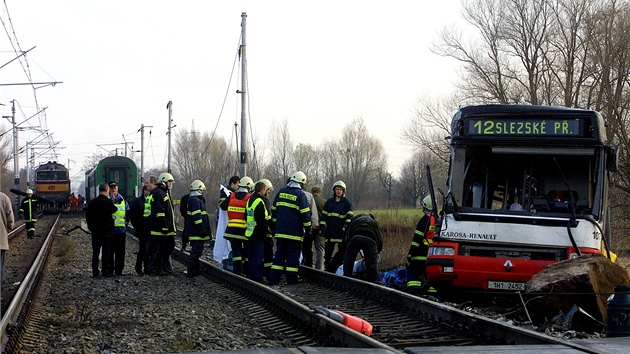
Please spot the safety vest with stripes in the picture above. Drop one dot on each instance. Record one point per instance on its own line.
(119, 215)
(251, 221)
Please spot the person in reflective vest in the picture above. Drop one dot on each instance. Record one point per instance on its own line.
(117, 252)
(235, 205)
(28, 208)
(197, 226)
(291, 217)
(256, 231)
(417, 256)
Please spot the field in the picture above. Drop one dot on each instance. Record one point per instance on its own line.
(397, 226)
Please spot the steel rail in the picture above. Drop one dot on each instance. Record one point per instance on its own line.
(12, 313)
(301, 313)
(497, 330)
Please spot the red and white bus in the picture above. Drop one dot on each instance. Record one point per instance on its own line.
(527, 187)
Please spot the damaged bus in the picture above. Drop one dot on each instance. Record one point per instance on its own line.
(527, 187)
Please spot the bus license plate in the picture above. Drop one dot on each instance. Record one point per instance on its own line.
(505, 285)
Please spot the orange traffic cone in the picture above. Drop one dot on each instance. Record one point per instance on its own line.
(358, 324)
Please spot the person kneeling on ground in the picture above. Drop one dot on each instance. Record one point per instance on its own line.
(364, 235)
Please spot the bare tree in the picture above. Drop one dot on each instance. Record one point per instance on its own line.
(306, 159)
(330, 162)
(197, 156)
(431, 125)
(280, 150)
(364, 157)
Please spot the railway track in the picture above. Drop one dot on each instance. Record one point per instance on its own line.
(399, 319)
(286, 313)
(25, 260)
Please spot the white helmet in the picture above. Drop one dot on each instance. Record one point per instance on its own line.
(29, 191)
(165, 177)
(427, 203)
(266, 182)
(340, 184)
(197, 185)
(298, 177)
(246, 182)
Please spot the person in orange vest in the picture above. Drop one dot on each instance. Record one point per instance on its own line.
(74, 202)
(417, 256)
(235, 205)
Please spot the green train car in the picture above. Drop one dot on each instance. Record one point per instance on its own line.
(120, 169)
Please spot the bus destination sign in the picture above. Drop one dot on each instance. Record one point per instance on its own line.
(525, 127)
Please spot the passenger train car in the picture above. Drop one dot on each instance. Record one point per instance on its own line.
(528, 186)
(120, 169)
(52, 181)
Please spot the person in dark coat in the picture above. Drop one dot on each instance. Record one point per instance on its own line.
(162, 225)
(183, 211)
(291, 218)
(136, 215)
(28, 208)
(336, 216)
(364, 235)
(197, 226)
(101, 225)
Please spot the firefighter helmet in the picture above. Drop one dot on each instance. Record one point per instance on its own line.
(29, 191)
(299, 177)
(339, 184)
(427, 203)
(197, 185)
(266, 182)
(165, 177)
(246, 182)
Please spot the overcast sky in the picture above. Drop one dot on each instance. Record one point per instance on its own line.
(318, 64)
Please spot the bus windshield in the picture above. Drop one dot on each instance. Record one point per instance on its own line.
(527, 180)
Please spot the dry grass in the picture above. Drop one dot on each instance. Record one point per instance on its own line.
(65, 251)
(397, 227)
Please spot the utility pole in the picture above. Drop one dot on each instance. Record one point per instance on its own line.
(141, 130)
(16, 157)
(244, 149)
(169, 106)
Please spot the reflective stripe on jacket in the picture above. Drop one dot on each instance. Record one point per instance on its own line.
(291, 214)
(162, 217)
(197, 220)
(29, 209)
(235, 206)
(422, 237)
(335, 216)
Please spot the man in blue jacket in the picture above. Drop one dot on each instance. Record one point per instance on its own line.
(291, 217)
(197, 226)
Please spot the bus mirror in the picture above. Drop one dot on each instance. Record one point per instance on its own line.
(612, 161)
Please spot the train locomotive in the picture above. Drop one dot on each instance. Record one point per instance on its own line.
(120, 169)
(52, 181)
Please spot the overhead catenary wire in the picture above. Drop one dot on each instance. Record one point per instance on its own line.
(24, 63)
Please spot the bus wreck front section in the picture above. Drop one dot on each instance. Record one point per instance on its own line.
(527, 187)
